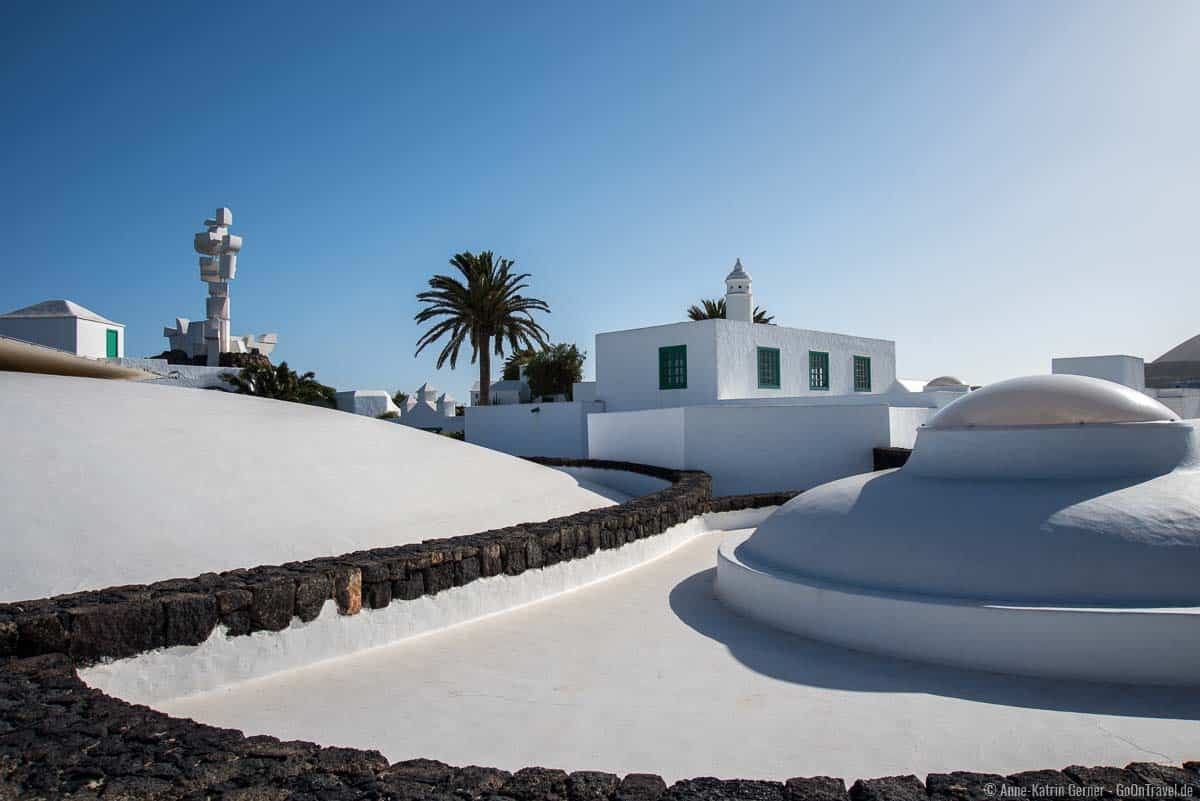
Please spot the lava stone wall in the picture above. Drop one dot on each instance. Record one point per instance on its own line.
(60, 738)
(120, 622)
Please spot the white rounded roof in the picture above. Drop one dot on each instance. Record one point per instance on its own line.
(1002, 502)
(1093, 542)
(1046, 400)
(738, 272)
(118, 482)
(945, 381)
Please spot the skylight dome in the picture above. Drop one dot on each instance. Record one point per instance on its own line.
(1048, 400)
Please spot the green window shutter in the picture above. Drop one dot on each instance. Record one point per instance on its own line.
(672, 367)
(862, 373)
(111, 344)
(768, 368)
(818, 370)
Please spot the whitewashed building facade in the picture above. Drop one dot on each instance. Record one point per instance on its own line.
(66, 326)
(706, 361)
(760, 407)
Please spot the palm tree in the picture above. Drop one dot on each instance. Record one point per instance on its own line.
(280, 383)
(489, 305)
(715, 310)
(513, 364)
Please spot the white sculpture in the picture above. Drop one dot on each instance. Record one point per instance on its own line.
(218, 251)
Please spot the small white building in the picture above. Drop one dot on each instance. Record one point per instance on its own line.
(431, 410)
(426, 408)
(1171, 379)
(367, 402)
(706, 361)
(66, 326)
(506, 391)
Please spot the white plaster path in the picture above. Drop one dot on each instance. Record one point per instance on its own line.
(648, 672)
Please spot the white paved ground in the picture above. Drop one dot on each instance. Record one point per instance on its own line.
(648, 672)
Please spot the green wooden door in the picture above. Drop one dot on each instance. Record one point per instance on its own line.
(112, 344)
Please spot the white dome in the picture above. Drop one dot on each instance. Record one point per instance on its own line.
(1009, 541)
(1047, 400)
(1098, 541)
(945, 381)
(116, 482)
(996, 503)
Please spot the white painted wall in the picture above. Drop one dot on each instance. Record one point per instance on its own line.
(1185, 402)
(723, 363)
(91, 338)
(769, 448)
(583, 391)
(554, 429)
(756, 447)
(904, 422)
(627, 366)
(649, 436)
(1126, 646)
(367, 402)
(53, 332)
(1129, 371)
(427, 418)
(737, 360)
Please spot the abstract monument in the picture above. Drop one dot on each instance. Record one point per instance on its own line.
(210, 338)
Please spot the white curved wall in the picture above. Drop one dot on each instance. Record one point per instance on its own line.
(633, 485)
(116, 482)
(157, 676)
(1097, 450)
(1135, 646)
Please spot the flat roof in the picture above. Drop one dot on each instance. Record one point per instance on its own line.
(765, 325)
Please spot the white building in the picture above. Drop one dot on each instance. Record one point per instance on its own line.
(699, 362)
(66, 326)
(1169, 380)
(426, 408)
(367, 402)
(760, 407)
(505, 391)
(431, 410)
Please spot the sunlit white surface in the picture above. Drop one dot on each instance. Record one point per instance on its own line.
(1092, 530)
(648, 672)
(1044, 400)
(117, 482)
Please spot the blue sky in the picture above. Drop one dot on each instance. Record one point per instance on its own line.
(989, 185)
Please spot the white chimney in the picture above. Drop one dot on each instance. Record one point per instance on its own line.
(739, 300)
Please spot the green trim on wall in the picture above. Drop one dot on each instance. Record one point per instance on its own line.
(111, 343)
(862, 373)
(818, 370)
(672, 367)
(768, 368)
